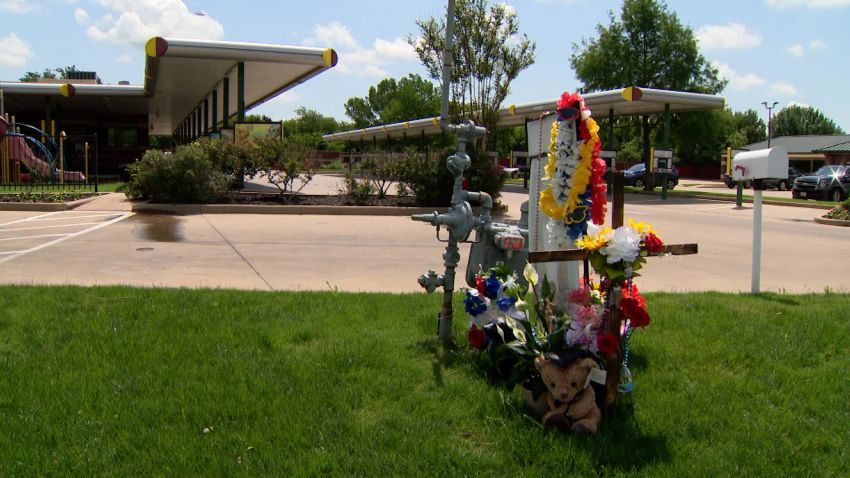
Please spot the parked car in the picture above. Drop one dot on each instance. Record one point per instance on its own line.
(781, 184)
(829, 182)
(635, 176)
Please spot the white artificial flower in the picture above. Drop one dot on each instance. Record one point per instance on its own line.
(624, 245)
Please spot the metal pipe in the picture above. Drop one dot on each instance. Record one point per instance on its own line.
(86, 157)
(448, 64)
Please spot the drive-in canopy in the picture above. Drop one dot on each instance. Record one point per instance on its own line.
(619, 102)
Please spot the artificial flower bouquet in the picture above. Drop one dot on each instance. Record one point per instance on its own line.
(513, 324)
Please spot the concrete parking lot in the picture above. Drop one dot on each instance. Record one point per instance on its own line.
(359, 253)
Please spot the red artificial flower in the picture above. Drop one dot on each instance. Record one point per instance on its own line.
(634, 310)
(567, 100)
(607, 343)
(654, 244)
(476, 337)
(481, 285)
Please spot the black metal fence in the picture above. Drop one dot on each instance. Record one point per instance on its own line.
(31, 161)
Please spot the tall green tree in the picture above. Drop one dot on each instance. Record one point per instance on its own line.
(800, 120)
(308, 126)
(488, 54)
(647, 46)
(393, 101)
(745, 128)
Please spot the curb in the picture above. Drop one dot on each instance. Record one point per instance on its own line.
(733, 199)
(832, 222)
(190, 209)
(44, 206)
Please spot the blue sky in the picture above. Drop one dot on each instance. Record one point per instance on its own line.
(790, 51)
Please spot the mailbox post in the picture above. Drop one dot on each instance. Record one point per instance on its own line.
(756, 166)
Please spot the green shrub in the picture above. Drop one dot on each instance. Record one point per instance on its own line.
(426, 178)
(381, 170)
(186, 176)
(357, 191)
(483, 175)
(286, 164)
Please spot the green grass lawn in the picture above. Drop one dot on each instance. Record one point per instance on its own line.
(120, 381)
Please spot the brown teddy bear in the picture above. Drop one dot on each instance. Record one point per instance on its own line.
(571, 399)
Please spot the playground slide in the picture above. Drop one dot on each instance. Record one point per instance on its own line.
(18, 149)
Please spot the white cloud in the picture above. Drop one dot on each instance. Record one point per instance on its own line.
(18, 6)
(125, 58)
(333, 35)
(357, 60)
(139, 20)
(14, 51)
(783, 89)
(808, 3)
(737, 81)
(81, 17)
(733, 36)
(817, 44)
(797, 103)
(797, 50)
(397, 49)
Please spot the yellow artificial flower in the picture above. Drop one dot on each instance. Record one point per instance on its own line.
(592, 242)
(641, 228)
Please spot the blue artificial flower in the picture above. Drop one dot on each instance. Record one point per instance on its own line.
(474, 304)
(506, 303)
(493, 285)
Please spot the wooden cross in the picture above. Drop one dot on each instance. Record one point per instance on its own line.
(614, 321)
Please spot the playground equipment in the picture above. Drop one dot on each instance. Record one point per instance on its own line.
(19, 147)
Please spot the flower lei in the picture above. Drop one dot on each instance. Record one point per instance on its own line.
(570, 169)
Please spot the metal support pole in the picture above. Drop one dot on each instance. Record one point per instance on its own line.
(666, 145)
(62, 157)
(225, 102)
(240, 91)
(756, 279)
(215, 109)
(739, 196)
(206, 116)
(86, 158)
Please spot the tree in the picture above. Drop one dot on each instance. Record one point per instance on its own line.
(796, 120)
(391, 101)
(489, 53)
(49, 74)
(647, 46)
(255, 118)
(746, 128)
(308, 127)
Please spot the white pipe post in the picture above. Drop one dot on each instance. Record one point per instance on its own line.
(756, 241)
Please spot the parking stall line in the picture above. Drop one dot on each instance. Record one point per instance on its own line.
(99, 225)
(40, 236)
(50, 227)
(73, 216)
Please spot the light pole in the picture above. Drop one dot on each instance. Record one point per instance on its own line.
(769, 118)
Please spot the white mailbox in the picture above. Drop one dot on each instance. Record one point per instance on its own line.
(761, 164)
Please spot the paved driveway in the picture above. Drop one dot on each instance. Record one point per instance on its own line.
(358, 253)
